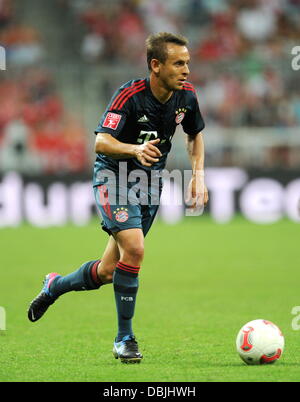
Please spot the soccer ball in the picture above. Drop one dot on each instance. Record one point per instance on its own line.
(260, 342)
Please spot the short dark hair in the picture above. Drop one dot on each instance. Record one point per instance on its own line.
(156, 45)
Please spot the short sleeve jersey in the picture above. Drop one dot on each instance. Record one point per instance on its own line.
(134, 116)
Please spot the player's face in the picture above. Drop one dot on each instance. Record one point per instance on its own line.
(174, 72)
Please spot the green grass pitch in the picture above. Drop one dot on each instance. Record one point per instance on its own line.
(199, 283)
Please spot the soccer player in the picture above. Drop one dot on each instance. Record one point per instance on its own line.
(134, 137)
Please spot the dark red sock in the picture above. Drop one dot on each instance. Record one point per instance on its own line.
(94, 274)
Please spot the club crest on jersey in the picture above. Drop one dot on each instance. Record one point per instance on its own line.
(180, 113)
(112, 120)
(121, 215)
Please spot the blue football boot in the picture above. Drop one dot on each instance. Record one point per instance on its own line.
(44, 299)
(127, 350)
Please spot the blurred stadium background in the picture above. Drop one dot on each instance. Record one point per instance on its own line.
(65, 58)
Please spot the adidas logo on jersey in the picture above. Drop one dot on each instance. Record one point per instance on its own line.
(143, 119)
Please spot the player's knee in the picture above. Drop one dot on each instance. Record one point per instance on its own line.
(134, 253)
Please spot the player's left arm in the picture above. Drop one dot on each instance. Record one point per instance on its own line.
(197, 191)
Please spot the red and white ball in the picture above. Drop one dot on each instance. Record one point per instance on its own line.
(260, 342)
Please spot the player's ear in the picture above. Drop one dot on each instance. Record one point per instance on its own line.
(155, 65)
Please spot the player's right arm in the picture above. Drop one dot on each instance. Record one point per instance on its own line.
(112, 124)
(146, 153)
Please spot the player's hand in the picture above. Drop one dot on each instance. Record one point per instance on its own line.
(148, 153)
(197, 195)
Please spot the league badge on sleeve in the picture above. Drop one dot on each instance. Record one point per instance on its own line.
(112, 120)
